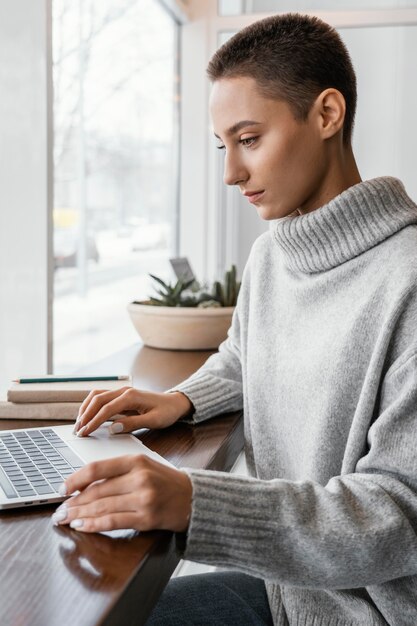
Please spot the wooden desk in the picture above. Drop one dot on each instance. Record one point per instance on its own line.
(54, 576)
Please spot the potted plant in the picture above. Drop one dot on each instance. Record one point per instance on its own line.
(185, 315)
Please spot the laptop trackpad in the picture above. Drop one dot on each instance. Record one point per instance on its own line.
(102, 445)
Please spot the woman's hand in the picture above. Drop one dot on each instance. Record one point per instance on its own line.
(127, 492)
(150, 410)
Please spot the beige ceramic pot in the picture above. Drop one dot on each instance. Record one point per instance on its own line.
(181, 328)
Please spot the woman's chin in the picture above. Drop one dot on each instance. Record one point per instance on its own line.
(266, 212)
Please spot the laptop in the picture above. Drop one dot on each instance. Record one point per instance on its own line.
(34, 462)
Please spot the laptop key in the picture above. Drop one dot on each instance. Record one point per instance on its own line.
(55, 482)
(62, 467)
(6, 485)
(67, 473)
(9, 465)
(23, 489)
(40, 489)
(28, 492)
(19, 482)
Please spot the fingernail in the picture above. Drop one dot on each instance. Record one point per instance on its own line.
(77, 523)
(81, 432)
(60, 514)
(77, 422)
(62, 490)
(115, 428)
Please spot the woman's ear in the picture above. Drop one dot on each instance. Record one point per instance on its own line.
(330, 107)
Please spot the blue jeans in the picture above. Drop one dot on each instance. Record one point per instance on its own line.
(216, 599)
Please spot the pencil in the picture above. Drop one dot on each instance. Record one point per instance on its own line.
(69, 379)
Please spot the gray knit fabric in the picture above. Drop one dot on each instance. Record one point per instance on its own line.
(322, 357)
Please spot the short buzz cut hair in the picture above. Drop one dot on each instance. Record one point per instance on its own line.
(291, 57)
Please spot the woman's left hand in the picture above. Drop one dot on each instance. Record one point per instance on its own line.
(127, 492)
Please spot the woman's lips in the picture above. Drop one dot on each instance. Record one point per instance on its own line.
(253, 196)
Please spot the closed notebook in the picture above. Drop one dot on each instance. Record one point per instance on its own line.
(60, 411)
(60, 391)
(39, 410)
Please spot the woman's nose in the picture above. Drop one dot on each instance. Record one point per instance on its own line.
(234, 172)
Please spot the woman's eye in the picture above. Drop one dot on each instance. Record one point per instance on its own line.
(248, 141)
(220, 147)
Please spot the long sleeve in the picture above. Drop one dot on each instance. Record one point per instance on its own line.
(357, 530)
(217, 386)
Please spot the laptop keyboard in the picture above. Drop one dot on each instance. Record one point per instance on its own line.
(35, 462)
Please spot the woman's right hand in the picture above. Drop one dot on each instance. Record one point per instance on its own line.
(150, 410)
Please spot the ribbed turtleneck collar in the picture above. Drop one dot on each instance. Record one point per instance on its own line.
(353, 222)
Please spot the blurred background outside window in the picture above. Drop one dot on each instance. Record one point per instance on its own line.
(115, 216)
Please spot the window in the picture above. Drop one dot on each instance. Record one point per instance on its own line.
(115, 168)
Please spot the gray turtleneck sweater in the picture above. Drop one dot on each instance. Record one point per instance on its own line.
(322, 357)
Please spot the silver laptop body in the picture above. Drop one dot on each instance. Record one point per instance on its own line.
(35, 461)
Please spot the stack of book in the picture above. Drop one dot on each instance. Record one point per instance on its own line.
(54, 398)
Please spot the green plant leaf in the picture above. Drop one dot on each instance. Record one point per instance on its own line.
(160, 281)
(178, 289)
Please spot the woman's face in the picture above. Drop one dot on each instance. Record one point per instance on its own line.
(278, 162)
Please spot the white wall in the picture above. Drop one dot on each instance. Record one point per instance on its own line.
(24, 191)
(385, 135)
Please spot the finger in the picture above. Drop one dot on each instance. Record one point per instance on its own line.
(133, 422)
(102, 407)
(104, 506)
(88, 405)
(95, 392)
(88, 399)
(112, 521)
(83, 407)
(100, 397)
(99, 470)
(102, 489)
